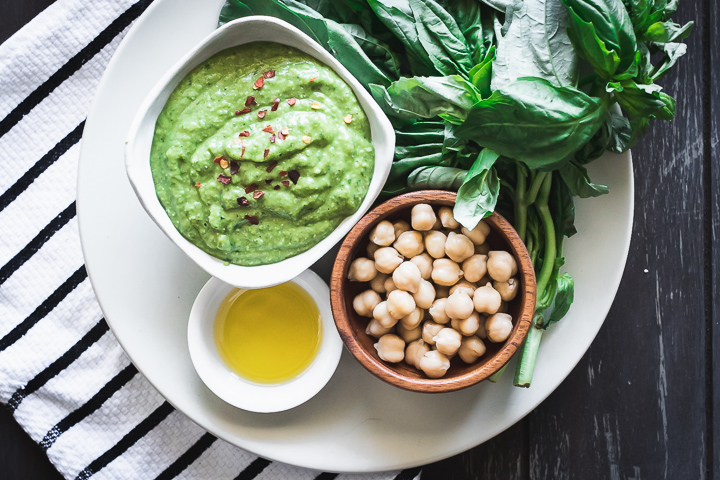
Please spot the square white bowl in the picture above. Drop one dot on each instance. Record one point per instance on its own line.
(139, 142)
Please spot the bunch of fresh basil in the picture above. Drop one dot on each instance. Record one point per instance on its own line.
(505, 101)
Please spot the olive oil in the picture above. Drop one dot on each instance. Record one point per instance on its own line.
(269, 335)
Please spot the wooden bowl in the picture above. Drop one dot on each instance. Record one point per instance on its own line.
(352, 326)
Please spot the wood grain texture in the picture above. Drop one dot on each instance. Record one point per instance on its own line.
(712, 228)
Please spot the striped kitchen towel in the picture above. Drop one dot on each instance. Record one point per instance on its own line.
(62, 373)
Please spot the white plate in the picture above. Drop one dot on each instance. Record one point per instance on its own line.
(146, 287)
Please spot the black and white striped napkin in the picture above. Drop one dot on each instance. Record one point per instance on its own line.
(62, 373)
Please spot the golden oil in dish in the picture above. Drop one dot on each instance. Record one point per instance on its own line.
(269, 335)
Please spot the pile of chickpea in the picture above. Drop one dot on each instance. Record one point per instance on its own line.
(445, 290)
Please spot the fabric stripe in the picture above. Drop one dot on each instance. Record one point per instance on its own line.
(73, 65)
(36, 243)
(254, 469)
(326, 476)
(100, 329)
(51, 302)
(408, 474)
(48, 159)
(140, 430)
(77, 416)
(192, 454)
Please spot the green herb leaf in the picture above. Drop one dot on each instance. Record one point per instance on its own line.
(479, 191)
(671, 53)
(472, 21)
(578, 181)
(377, 51)
(481, 74)
(436, 178)
(640, 100)
(589, 46)
(564, 297)
(665, 32)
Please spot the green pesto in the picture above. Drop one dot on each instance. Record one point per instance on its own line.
(199, 124)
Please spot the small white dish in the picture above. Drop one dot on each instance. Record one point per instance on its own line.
(242, 393)
(140, 135)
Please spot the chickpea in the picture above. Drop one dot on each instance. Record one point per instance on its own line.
(378, 283)
(475, 267)
(499, 327)
(447, 218)
(400, 227)
(400, 303)
(387, 259)
(487, 299)
(442, 291)
(478, 234)
(409, 244)
(434, 364)
(471, 349)
(501, 265)
(447, 341)
(413, 319)
(467, 287)
(437, 311)
(459, 247)
(468, 326)
(407, 277)
(362, 270)
(422, 217)
(435, 244)
(408, 334)
(424, 263)
(381, 315)
(371, 249)
(390, 348)
(429, 330)
(375, 329)
(389, 285)
(446, 272)
(507, 290)
(383, 234)
(414, 352)
(459, 305)
(365, 302)
(425, 295)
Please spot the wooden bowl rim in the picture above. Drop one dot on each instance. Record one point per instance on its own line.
(385, 371)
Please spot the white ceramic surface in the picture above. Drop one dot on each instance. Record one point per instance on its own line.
(251, 396)
(140, 135)
(146, 287)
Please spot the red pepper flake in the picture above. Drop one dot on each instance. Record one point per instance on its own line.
(272, 138)
(276, 187)
(243, 111)
(252, 219)
(291, 101)
(275, 105)
(313, 79)
(224, 179)
(294, 175)
(268, 129)
(268, 181)
(272, 165)
(243, 202)
(258, 194)
(259, 83)
(198, 184)
(218, 159)
(245, 133)
(250, 100)
(283, 173)
(262, 113)
(286, 183)
(251, 188)
(280, 135)
(234, 167)
(269, 74)
(242, 152)
(266, 153)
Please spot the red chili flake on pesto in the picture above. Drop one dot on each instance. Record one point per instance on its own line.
(252, 219)
(269, 74)
(217, 159)
(275, 105)
(291, 101)
(243, 111)
(294, 175)
(251, 188)
(266, 153)
(268, 181)
(276, 187)
(262, 113)
(268, 129)
(234, 167)
(243, 202)
(257, 194)
(245, 133)
(271, 166)
(272, 138)
(250, 100)
(198, 184)
(313, 79)
(224, 179)
(283, 173)
(242, 152)
(280, 135)
(286, 183)
(259, 83)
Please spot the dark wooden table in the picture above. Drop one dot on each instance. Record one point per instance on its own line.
(640, 404)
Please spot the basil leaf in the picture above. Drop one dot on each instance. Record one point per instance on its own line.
(481, 74)
(479, 191)
(377, 51)
(231, 10)
(577, 180)
(436, 178)
(590, 47)
(671, 53)
(402, 152)
(640, 100)
(400, 169)
(562, 208)
(620, 134)
(420, 132)
(664, 32)
(534, 121)
(463, 151)
(472, 20)
(564, 297)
